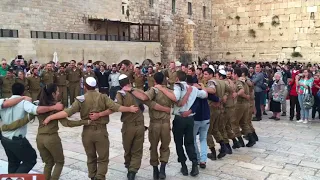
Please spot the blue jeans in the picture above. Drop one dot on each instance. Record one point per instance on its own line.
(304, 113)
(201, 127)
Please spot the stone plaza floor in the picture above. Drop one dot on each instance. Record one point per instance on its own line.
(285, 150)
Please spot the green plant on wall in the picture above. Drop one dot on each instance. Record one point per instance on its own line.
(237, 18)
(296, 54)
(229, 17)
(275, 21)
(252, 33)
(228, 53)
(260, 24)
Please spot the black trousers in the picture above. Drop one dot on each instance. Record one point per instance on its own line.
(258, 101)
(294, 104)
(183, 135)
(316, 107)
(113, 91)
(104, 90)
(21, 155)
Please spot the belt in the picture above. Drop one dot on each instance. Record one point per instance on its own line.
(162, 121)
(14, 138)
(95, 127)
(134, 123)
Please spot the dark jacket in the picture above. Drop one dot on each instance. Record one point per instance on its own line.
(103, 79)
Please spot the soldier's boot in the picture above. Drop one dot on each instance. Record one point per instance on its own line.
(131, 175)
(195, 169)
(255, 136)
(228, 149)
(241, 142)
(155, 173)
(252, 141)
(222, 150)
(162, 174)
(212, 155)
(184, 169)
(235, 143)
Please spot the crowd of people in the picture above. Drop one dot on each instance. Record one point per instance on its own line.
(215, 101)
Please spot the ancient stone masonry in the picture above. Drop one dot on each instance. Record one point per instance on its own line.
(266, 30)
(183, 36)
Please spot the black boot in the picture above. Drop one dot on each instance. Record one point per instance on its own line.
(235, 143)
(255, 136)
(155, 173)
(162, 174)
(184, 169)
(195, 169)
(212, 155)
(240, 140)
(222, 150)
(228, 149)
(131, 175)
(252, 141)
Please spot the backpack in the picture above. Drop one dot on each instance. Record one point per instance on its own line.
(308, 99)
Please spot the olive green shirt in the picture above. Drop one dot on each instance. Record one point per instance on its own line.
(47, 77)
(74, 75)
(60, 78)
(139, 81)
(242, 85)
(6, 84)
(150, 80)
(34, 83)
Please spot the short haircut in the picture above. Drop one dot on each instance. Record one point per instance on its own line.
(245, 71)
(124, 82)
(192, 69)
(17, 89)
(238, 72)
(114, 65)
(158, 77)
(182, 76)
(159, 63)
(73, 61)
(209, 71)
(189, 79)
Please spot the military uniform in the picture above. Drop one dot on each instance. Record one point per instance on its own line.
(139, 81)
(251, 105)
(74, 76)
(6, 86)
(172, 77)
(150, 80)
(241, 111)
(129, 73)
(34, 86)
(132, 131)
(159, 128)
(60, 78)
(47, 77)
(94, 136)
(26, 86)
(89, 74)
(229, 112)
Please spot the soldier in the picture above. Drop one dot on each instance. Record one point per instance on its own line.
(217, 87)
(245, 74)
(89, 72)
(47, 75)
(150, 78)
(6, 84)
(23, 80)
(229, 112)
(94, 136)
(34, 84)
(74, 75)
(127, 70)
(242, 106)
(60, 78)
(171, 74)
(138, 78)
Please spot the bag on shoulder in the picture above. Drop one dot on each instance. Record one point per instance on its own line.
(308, 99)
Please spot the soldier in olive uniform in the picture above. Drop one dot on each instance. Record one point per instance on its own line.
(6, 84)
(242, 106)
(245, 74)
(89, 72)
(138, 79)
(74, 75)
(60, 78)
(94, 136)
(47, 76)
(34, 84)
(23, 80)
(127, 70)
(171, 74)
(150, 78)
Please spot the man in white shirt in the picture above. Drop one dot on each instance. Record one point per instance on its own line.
(21, 156)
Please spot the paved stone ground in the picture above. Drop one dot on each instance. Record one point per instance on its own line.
(286, 150)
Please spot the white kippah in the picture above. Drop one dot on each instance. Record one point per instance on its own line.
(223, 72)
(211, 67)
(221, 67)
(91, 81)
(122, 76)
(178, 64)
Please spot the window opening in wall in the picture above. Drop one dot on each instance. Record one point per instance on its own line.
(123, 11)
(173, 6)
(151, 3)
(204, 12)
(189, 8)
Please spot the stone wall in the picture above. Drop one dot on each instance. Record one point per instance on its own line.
(182, 35)
(108, 51)
(266, 29)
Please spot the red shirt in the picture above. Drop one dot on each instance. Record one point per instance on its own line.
(292, 83)
(314, 89)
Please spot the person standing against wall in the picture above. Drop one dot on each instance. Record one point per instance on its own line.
(74, 76)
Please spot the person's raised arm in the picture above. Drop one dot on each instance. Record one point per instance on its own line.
(171, 95)
(185, 98)
(44, 109)
(11, 102)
